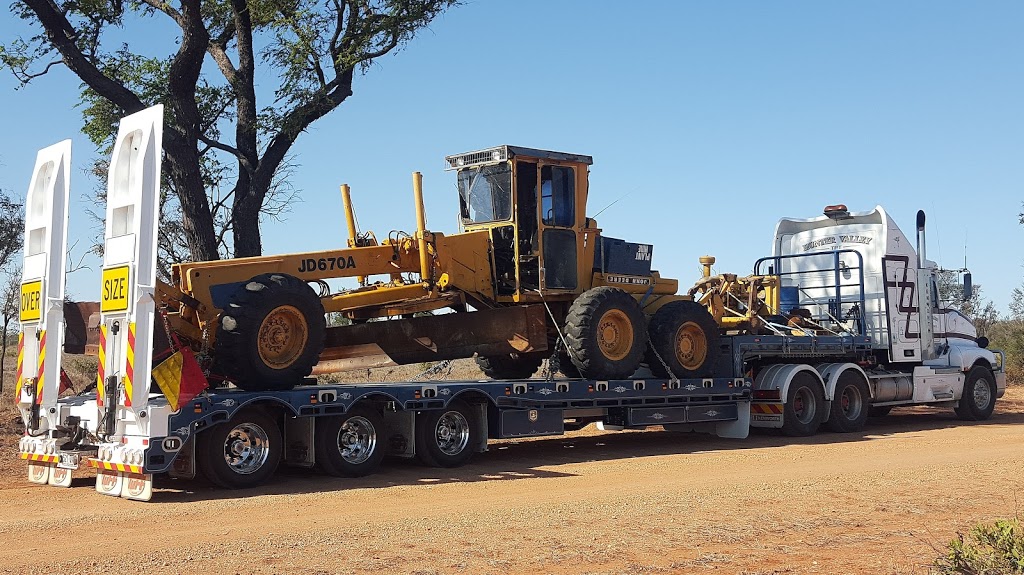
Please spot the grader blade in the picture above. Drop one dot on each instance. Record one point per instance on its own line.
(519, 329)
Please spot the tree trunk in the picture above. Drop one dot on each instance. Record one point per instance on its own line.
(183, 160)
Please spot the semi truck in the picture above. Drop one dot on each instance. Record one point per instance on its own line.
(839, 321)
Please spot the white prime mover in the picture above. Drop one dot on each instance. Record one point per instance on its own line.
(856, 275)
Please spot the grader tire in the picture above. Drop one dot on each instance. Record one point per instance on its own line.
(606, 333)
(685, 337)
(271, 333)
(511, 366)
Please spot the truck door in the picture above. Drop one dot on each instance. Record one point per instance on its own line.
(558, 234)
(904, 319)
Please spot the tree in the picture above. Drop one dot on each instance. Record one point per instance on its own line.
(12, 229)
(215, 129)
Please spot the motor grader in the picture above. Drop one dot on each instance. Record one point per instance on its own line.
(528, 277)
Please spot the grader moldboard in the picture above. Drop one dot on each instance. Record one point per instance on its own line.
(541, 279)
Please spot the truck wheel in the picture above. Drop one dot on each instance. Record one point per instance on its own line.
(849, 410)
(271, 333)
(511, 366)
(567, 367)
(240, 453)
(605, 331)
(979, 397)
(805, 407)
(445, 437)
(350, 445)
(685, 335)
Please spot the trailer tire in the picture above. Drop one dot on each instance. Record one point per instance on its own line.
(979, 397)
(445, 437)
(271, 333)
(510, 366)
(242, 452)
(350, 445)
(804, 408)
(849, 411)
(686, 337)
(606, 334)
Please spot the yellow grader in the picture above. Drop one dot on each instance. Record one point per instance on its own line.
(528, 277)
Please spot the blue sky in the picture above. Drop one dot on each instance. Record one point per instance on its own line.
(709, 120)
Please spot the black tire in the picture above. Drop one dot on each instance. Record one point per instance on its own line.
(606, 333)
(850, 404)
(446, 437)
(240, 453)
(283, 312)
(805, 407)
(879, 410)
(351, 444)
(686, 337)
(979, 397)
(511, 366)
(567, 367)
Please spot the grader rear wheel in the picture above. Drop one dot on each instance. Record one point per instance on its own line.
(604, 330)
(685, 337)
(271, 333)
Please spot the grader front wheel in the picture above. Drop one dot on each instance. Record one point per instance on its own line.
(271, 333)
(684, 341)
(605, 333)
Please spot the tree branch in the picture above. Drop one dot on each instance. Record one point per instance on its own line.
(63, 35)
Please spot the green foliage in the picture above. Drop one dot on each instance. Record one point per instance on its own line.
(226, 145)
(989, 549)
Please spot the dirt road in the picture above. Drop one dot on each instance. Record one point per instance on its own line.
(634, 502)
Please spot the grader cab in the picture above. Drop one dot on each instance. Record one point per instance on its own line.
(528, 277)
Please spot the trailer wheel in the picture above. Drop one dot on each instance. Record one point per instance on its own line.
(350, 445)
(849, 410)
(685, 335)
(445, 437)
(979, 397)
(271, 333)
(605, 332)
(240, 453)
(805, 407)
(510, 366)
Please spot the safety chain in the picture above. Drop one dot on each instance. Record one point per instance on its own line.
(441, 369)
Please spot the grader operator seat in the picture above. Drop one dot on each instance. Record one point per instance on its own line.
(532, 202)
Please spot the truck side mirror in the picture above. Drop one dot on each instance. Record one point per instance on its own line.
(968, 286)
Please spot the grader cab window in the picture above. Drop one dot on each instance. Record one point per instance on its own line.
(558, 196)
(485, 193)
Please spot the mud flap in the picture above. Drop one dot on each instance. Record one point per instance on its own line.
(108, 482)
(39, 472)
(60, 477)
(137, 487)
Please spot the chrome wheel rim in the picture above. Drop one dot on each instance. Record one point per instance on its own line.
(982, 394)
(452, 433)
(357, 440)
(246, 448)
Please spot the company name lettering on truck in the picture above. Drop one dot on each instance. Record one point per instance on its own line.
(835, 240)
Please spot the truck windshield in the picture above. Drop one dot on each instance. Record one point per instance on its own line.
(485, 193)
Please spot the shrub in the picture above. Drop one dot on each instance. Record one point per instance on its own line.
(990, 549)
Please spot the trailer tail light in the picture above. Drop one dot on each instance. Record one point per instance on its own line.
(767, 394)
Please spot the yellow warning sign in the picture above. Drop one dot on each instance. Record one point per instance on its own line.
(115, 289)
(31, 301)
